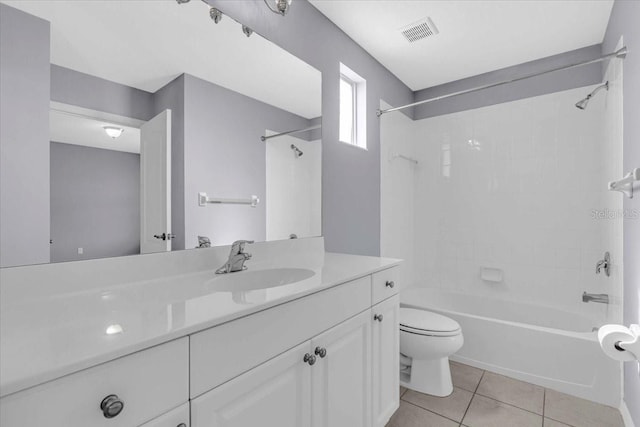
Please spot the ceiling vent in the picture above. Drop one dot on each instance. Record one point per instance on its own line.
(419, 30)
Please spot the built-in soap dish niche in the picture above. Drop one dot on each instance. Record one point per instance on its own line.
(491, 275)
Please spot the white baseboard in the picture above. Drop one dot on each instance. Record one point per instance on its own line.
(626, 416)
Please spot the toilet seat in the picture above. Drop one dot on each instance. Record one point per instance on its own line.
(421, 322)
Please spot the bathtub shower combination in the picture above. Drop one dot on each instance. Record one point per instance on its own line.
(498, 216)
(540, 345)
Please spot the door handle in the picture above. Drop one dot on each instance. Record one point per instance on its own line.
(164, 236)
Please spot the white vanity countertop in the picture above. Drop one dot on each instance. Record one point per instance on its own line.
(46, 337)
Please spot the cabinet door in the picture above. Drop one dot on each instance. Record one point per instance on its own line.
(276, 393)
(386, 370)
(179, 417)
(341, 393)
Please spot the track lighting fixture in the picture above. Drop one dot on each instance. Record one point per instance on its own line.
(281, 6)
(215, 14)
(247, 31)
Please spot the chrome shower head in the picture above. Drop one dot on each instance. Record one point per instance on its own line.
(582, 104)
(296, 151)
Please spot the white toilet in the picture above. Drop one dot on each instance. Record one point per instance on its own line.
(426, 341)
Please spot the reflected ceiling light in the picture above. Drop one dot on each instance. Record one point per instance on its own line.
(114, 329)
(247, 31)
(281, 6)
(215, 14)
(112, 131)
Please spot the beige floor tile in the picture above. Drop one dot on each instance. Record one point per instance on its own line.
(452, 406)
(579, 412)
(402, 391)
(548, 422)
(517, 393)
(409, 415)
(485, 412)
(464, 376)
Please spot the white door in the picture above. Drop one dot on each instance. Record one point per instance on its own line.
(155, 184)
(386, 368)
(341, 376)
(276, 393)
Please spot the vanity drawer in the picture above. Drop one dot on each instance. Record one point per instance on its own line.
(384, 284)
(226, 351)
(149, 383)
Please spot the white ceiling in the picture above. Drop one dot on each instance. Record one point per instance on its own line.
(80, 130)
(475, 36)
(147, 43)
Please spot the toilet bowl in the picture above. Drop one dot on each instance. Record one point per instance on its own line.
(426, 341)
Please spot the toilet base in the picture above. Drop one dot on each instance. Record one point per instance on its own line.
(430, 377)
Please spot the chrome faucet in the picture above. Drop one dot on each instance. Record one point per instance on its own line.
(237, 258)
(604, 263)
(601, 298)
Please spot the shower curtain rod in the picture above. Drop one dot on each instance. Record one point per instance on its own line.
(621, 53)
(264, 138)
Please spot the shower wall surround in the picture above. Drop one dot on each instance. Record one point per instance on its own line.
(519, 186)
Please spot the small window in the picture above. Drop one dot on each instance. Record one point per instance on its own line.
(347, 111)
(353, 100)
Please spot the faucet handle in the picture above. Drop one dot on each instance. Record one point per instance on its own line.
(238, 246)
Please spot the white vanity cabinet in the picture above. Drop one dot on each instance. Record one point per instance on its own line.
(276, 393)
(346, 376)
(124, 392)
(325, 359)
(386, 342)
(341, 374)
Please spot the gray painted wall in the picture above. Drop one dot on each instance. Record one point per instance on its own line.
(624, 20)
(171, 97)
(224, 157)
(84, 90)
(24, 138)
(95, 202)
(350, 176)
(535, 86)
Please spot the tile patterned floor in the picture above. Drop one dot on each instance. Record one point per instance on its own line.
(484, 399)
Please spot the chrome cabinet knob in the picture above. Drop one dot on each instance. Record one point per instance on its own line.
(378, 317)
(111, 406)
(310, 359)
(181, 425)
(321, 351)
(390, 284)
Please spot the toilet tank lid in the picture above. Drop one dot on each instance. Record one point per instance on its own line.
(426, 321)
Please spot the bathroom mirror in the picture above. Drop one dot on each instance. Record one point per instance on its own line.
(156, 113)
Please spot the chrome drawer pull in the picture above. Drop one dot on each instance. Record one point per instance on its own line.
(321, 351)
(378, 317)
(310, 359)
(390, 284)
(111, 406)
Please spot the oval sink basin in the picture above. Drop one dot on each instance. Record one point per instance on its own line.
(259, 279)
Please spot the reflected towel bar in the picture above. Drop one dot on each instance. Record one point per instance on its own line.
(402, 156)
(203, 200)
(625, 185)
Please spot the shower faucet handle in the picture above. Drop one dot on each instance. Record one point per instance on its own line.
(604, 264)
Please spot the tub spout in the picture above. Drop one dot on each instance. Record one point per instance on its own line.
(601, 298)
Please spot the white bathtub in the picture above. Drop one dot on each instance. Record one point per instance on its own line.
(541, 345)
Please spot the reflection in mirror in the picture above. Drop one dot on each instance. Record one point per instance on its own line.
(135, 108)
